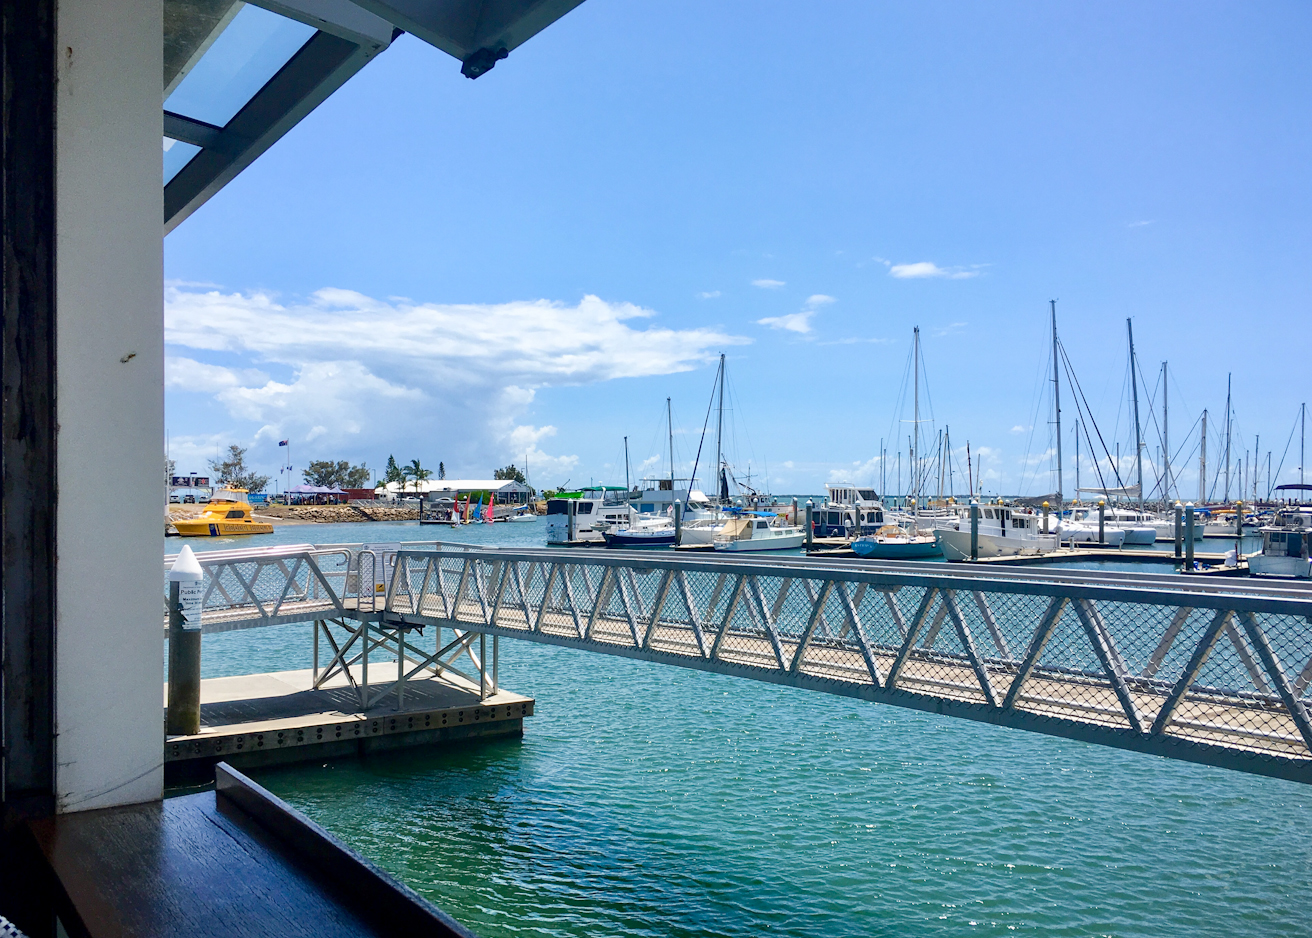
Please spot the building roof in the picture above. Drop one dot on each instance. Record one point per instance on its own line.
(457, 485)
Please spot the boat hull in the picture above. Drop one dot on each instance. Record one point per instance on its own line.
(1114, 537)
(956, 544)
(199, 528)
(892, 549)
(754, 544)
(629, 540)
(1291, 567)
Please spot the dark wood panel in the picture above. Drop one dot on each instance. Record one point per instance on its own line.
(235, 864)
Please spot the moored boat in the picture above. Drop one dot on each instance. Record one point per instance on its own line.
(228, 513)
(1002, 532)
(1286, 546)
(892, 542)
(754, 533)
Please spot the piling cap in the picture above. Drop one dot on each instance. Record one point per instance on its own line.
(1046, 505)
(186, 568)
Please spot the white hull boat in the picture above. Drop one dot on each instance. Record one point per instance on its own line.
(756, 534)
(1286, 546)
(956, 544)
(1081, 532)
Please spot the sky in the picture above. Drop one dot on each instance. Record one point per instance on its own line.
(528, 265)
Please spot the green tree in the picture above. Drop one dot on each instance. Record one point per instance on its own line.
(441, 470)
(339, 474)
(234, 472)
(417, 472)
(510, 472)
(394, 472)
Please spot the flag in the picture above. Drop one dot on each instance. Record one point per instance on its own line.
(284, 442)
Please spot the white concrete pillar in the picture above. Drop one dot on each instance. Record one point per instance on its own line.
(110, 402)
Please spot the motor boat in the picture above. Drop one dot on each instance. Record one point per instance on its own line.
(228, 512)
(1286, 546)
(752, 532)
(644, 531)
(1003, 531)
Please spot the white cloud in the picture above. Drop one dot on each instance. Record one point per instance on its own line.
(451, 381)
(1019, 429)
(708, 295)
(924, 269)
(768, 284)
(950, 329)
(1138, 224)
(793, 322)
(798, 322)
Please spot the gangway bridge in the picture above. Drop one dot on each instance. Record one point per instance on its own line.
(1213, 671)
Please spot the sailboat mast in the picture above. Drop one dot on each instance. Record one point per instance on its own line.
(720, 490)
(1056, 401)
(1134, 387)
(1166, 443)
(1077, 458)
(1227, 438)
(669, 423)
(915, 474)
(1302, 439)
(1202, 463)
(628, 486)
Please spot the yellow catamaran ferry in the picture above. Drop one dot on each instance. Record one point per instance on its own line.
(227, 513)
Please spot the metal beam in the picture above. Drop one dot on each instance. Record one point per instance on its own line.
(318, 69)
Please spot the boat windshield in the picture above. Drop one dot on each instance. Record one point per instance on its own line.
(229, 495)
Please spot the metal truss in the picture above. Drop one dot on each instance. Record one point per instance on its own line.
(1211, 671)
(1203, 672)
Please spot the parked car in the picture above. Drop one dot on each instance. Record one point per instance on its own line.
(173, 500)
(189, 499)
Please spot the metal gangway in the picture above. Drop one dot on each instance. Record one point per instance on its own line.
(1214, 671)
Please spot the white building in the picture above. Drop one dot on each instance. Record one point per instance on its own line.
(503, 491)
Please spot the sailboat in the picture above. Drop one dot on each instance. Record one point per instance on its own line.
(653, 530)
(903, 541)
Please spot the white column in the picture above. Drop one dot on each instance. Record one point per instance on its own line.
(110, 401)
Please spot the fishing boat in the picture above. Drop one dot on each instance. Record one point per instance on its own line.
(1002, 532)
(228, 513)
(524, 514)
(751, 532)
(1286, 546)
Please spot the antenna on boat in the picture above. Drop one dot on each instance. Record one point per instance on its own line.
(1134, 387)
(1056, 401)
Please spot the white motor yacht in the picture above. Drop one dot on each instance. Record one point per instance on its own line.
(1003, 532)
(754, 533)
(1286, 546)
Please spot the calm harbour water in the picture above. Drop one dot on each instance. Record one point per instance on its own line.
(648, 800)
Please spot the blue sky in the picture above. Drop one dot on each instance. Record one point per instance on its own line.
(464, 271)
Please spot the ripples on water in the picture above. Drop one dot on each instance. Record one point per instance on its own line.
(647, 800)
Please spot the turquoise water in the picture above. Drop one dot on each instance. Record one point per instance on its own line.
(647, 800)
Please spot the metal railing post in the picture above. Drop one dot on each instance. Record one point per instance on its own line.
(482, 666)
(1189, 538)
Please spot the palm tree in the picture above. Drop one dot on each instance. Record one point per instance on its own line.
(416, 472)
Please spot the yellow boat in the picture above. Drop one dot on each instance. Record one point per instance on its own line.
(227, 513)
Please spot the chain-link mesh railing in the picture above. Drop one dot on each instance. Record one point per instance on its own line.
(1212, 672)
